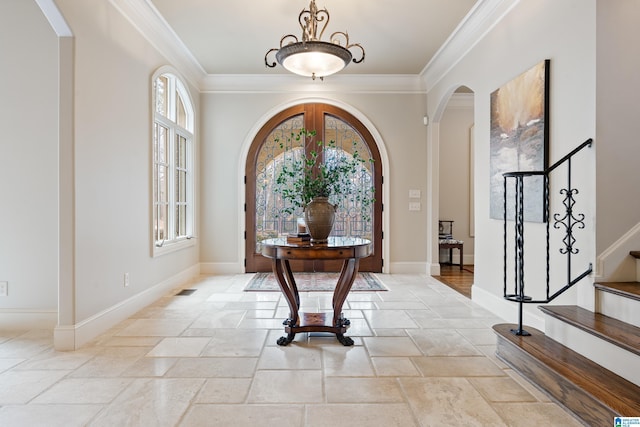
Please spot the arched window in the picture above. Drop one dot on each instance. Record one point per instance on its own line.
(173, 164)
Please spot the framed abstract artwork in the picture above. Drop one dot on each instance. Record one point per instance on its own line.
(519, 141)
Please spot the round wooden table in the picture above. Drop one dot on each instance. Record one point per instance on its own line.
(348, 249)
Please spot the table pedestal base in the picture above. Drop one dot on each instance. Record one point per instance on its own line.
(315, 322)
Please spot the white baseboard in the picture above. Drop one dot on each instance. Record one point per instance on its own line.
(72, 337)
(24, 319)
(408, 268)
(507, 310)
(433, 269)
(221, 268)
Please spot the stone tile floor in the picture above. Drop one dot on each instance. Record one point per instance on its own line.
(423, 356)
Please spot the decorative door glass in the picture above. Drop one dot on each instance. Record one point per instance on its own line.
(270, 220)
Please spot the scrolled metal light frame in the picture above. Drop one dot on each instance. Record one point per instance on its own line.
(312, 57)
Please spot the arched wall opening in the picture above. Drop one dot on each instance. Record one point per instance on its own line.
(451, 165)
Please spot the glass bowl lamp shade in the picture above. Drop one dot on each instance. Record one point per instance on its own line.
(313, 58)
(309, 56)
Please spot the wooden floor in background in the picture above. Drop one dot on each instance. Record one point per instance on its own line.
(460, 280)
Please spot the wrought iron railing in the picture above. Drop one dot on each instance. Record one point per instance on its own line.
(567, 221)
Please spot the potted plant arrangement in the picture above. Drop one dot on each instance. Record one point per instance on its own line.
(321, 182)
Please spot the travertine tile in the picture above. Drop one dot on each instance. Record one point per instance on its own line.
(443, 342)
(83, 391)
(150, 367)
(22, 386)
(389, 319)
(423, 355)
(179, 347)
(448, 401)
(457, 367)
(346, 362)
(298, 386)
(52, 360)
(10, 363)
(370, 415)
(537, 414)
(503, 389)
(391, 346)
(290, 357)
(246, 416)
(224, 390)
(394, 367)
(48, 415)
(155, 328)
(363, 390)
(150, 402)
(236, 342)
(212, 367)
(223, 319)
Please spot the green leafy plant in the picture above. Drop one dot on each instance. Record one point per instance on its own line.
(326, 172)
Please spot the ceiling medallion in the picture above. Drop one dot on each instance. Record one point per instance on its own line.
(313, 57)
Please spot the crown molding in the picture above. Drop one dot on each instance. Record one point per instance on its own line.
(148, 21)
(290, 83)
(478, 22)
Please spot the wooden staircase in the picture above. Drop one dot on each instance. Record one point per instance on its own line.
(589, 362)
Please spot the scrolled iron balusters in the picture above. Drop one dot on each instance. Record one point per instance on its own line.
(569, 221)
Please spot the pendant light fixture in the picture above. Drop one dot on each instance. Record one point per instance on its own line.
(312, 57)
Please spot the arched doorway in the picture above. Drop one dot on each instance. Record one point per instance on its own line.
(263, 218)
(453, 144)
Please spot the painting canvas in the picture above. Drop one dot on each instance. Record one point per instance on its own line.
(519, 141)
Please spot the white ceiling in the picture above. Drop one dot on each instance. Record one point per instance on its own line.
(230, 37)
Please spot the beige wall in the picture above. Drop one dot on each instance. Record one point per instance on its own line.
(28, 160)
(229, 122)
(530, 32)
(113, 68)
(617, 147)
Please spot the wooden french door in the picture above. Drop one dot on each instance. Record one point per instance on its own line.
(264, 219)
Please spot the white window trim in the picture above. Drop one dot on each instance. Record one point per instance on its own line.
(174, 244)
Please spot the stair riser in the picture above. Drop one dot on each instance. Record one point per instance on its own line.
(581, 404)
(610, 356)
(619, 307)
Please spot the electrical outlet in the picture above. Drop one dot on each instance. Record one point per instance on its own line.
(126, 279)
(4, 289)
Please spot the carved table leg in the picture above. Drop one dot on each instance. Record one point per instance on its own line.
(347, 276)
(345, 341)
(290, 291)
(286, 340)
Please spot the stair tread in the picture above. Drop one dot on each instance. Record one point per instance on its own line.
(627, 289)
(607, 328)
(619, 394)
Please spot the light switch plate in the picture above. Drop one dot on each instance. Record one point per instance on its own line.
(414, 194)
(415, 206)
(4, 289)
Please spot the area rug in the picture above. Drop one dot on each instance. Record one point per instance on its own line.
(314, 282)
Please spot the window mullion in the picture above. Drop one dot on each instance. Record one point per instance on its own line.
(172, 186)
